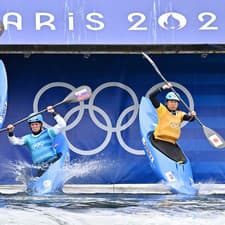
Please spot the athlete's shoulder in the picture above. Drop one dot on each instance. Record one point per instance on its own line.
(26, 138)
(162, 108)
(181, 113)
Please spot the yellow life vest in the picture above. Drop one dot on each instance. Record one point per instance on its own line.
(168, 128)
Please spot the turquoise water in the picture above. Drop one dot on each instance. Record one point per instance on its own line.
(116, 209)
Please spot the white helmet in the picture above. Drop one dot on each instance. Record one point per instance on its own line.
(172, 96)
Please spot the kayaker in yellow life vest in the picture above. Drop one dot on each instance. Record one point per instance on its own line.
(168, 129)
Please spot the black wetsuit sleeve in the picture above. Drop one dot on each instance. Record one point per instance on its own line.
(54, 113)
(188, 118)
(153, 98)
(10, 134)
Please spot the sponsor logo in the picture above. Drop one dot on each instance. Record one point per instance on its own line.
(172, 21)
(47, 183)
(38, 145)
(215, 140)
(170, 177)
(175, 125)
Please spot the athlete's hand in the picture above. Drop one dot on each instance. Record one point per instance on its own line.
(192, 113)
(50, 109)
(10, 128)
(167, 86)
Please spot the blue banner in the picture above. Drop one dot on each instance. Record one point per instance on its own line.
(112, 22)
(103, 132)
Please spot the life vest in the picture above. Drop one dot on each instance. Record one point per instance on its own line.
(41, 146)
(168, 127)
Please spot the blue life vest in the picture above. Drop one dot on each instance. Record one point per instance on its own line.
(41, 146)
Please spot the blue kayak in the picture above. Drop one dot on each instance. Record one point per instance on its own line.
(3, 93)
(176, 175)
(53, 179)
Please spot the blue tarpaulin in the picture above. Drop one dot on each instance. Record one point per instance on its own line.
(105, 128)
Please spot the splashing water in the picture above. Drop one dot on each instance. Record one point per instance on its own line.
(23, 172)
(125, 209)
(82, 169)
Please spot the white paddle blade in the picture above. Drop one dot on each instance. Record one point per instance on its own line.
(79, 94)
(214, 139)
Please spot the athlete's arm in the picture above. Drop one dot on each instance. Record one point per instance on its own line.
(16, 140)
(153, 98)
(153, 95)
(60, 126)
(12, 138)
(190, 117)
(60, 122)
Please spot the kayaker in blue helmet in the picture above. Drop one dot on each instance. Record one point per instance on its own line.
(40, 141)
(168, 129)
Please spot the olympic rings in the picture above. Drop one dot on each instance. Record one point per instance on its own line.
(108, 127)
(107, 138)
(49, 86)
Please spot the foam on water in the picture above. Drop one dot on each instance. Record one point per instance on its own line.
(51, 217)
(112, 209)
(101, 209)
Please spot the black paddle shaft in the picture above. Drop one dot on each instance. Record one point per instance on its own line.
(74, 96)
(28, 117)
(39, 112)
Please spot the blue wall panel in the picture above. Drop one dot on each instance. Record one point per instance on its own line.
(104, 131)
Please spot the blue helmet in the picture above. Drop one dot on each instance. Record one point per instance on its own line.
(37, 118)
(172, 96)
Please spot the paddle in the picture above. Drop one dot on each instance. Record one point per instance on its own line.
(79, 94)
(214, 138)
